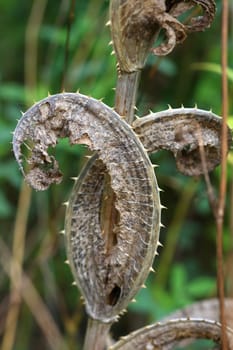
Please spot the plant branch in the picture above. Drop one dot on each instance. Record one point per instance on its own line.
(32, 299)
(15, 270)
(67, 44)
(126, 88)
(166, 335)
(96, 335)
(31, 46)
(223, 180)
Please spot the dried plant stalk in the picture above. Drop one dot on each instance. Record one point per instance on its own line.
(135, 26)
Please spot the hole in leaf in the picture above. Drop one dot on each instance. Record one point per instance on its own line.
(114, 296)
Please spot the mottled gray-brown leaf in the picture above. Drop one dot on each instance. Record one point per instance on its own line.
(108, 278)
(167, 335)
(186, 132)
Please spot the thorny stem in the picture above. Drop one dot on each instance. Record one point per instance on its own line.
(222, 189)
(166, 335)
(126, 89)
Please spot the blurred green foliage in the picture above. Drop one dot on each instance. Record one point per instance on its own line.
(188, 76)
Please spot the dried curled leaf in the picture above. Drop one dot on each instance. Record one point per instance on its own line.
(178, 7)
(206, 309)
(168, 335)
(193, 135)
(108, 276)
(135, 26)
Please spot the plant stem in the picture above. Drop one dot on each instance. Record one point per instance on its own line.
(223, 180)
(96, 335)
(28, 292)
(15, 270)
(126, 90)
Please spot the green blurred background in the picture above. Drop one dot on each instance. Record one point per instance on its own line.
(34, 61)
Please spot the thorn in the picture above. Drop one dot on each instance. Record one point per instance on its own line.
(67, 262)
(62, 232)
(135, 108)
(114, 89)
(160, 244)
(123, 338)
(160, 189)
(155, 165)
(123, 312)
(143, 286)
(110, 43)
(65, 204)
(49, 94)
(74, 283)
(163, 206)
(78, 91)
(74, 178)
(112, 53)
(108, 23)
(151, 112)
(130, 126)
(169, 106)
(137, 117)
(161, 225)
(182, 106)
(133, 301)
(195, 106)
(151, 269)
(87, 157)
(156, 253)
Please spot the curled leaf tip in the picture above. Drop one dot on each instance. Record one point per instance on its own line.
(191, 134)
(136, 25)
